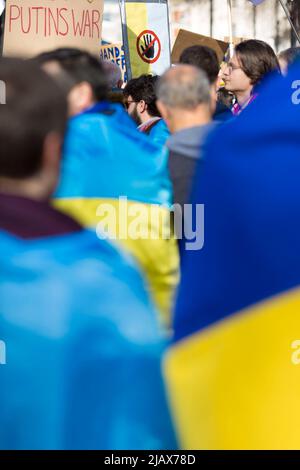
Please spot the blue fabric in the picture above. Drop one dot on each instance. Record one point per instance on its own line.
(249, 184)
(98, 108)
(83, 349)
(106, 157)
(159, 133)
(222, 113)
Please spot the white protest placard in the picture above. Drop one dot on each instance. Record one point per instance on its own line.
(146, 36)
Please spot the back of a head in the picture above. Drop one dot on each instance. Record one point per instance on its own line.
(80, 66)
(185, 87)
(35, 107)
(113, 74)
(257, 59)
(290, 55)
(143, 88)
(204, 58)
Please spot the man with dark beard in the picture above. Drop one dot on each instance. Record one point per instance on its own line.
(140, 102)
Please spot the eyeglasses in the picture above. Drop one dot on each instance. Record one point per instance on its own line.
(232, 67)
(128, 103)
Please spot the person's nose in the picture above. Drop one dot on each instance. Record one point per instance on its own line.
(225, 72)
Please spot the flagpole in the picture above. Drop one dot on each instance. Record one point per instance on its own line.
(286, 11)
(231, 45)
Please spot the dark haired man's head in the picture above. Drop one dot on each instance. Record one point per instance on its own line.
(204, 58)
(257, 59)
(81, 73)
(287, 58)
(140, 98)
(251, 62)
(32, 125)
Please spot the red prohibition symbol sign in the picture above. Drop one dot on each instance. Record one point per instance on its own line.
(148, 46)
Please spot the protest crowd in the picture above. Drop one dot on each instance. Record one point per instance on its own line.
(149, 247)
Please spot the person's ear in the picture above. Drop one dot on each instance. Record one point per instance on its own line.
(80, 98)
(142, 106)
(162, 108)
(50, 168)
(214, 96)
(214, 90)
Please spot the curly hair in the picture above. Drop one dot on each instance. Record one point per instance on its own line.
(143, 89)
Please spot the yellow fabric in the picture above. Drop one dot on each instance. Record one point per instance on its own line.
(137, 21)
(158, 257)
(235, 385)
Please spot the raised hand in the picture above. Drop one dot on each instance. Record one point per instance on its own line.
(147, 50)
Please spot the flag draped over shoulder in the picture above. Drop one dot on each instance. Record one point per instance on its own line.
(106, 158)
(83, 349)
(113, 159)
(232, 378)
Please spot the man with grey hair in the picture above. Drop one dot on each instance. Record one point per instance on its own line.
(186, 105)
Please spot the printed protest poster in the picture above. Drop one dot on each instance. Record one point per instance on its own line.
(146, 36)
(34, 26)
(115, 53)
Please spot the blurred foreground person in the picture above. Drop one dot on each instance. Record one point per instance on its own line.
(252, 61)
(113, 176)
(206, 59)
(114, 75)
(140, 101)
(287, 57)
(184, 100)
(82, 344)
(233, 370)
(114, 81)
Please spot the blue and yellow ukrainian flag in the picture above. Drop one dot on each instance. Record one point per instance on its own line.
(106, 158)
(232, 371)
(83, 349)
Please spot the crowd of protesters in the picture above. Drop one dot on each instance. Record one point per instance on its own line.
(102, 303)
